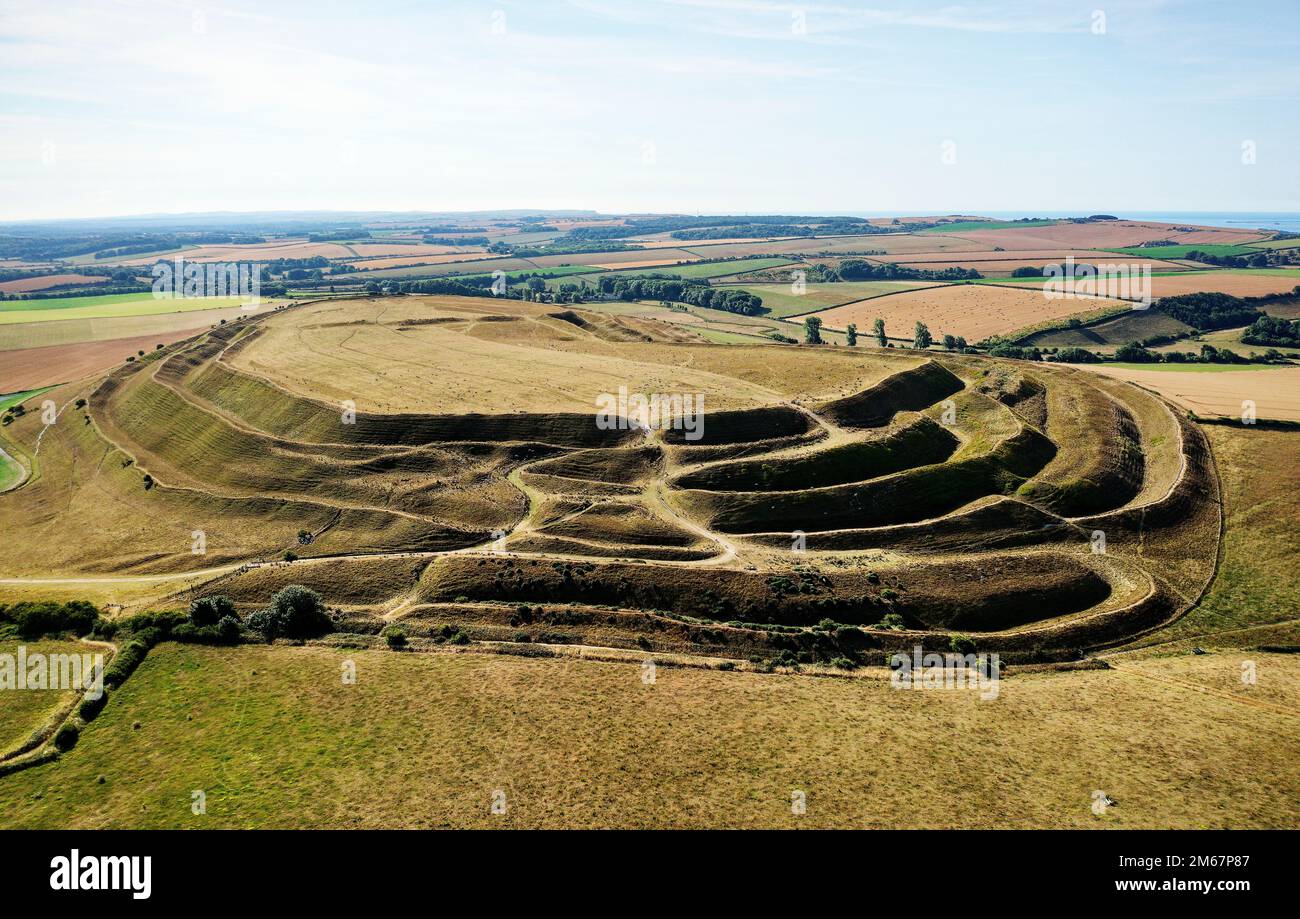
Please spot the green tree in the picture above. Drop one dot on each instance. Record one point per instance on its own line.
(923, 338)
(851, 335)
(878, 329)
(812, 330)
(950, 343)
(210, 610)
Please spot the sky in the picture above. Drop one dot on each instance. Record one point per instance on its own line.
(698, 106)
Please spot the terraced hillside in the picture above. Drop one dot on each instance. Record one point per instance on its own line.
(441, 459)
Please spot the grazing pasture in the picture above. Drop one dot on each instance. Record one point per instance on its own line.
(26, 710)
(696, 748)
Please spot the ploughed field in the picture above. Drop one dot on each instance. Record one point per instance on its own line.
(436, 459)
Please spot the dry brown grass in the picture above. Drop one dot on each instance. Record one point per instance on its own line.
(974, 311)
(1109, 234)
(1274, 390)
(25, 285)
(531, 363)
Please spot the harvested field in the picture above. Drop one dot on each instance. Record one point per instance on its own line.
(473, 266)
(1243, 282)
(263, 252)
(23, 335)
(371, 250)
(629, 258)
(971, 310)
(665, 240)
(1275, 390)
(27, 285)
(1002, 267)
(112, 307)
(28, 368)
(1110, 234)
(646, 263)
(811, 245)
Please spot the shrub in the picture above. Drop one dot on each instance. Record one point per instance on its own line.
(844, 663)
(962, 644)
(727, 665)
(295, 612)
(129, 656)
(45, 617)
(210, 610)
(90, 707)
(891, 621)
(66, 737)
(228, 630)
(160, 624)
(396, 638)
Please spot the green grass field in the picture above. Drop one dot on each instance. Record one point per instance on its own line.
(965, 226)
(11, 473)
(1181, 251)
(1256, 587)
(16, 397)
(781, 301)
(26, 710)
(274, 738)
(110, 306)
(1277, 244)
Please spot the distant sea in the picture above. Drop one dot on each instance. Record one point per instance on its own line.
(1245, 220)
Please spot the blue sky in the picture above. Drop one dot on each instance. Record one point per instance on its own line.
(647, 105)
